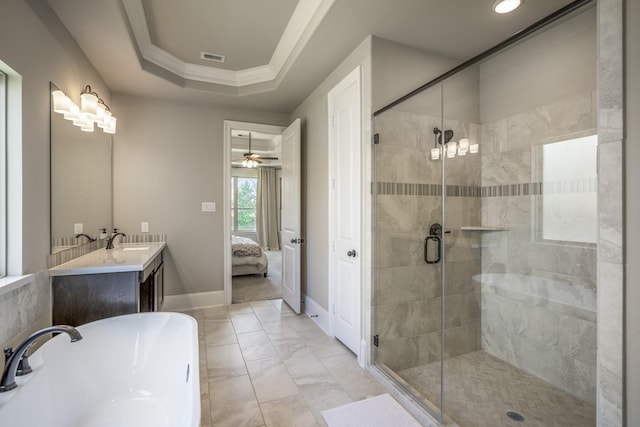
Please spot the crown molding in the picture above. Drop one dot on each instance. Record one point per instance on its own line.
(304, 21)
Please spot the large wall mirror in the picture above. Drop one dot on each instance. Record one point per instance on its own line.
(81, 183)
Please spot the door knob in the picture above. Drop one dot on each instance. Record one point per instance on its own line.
(298, 241)
(351, 253)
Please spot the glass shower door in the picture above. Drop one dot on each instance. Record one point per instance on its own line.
(408, 263)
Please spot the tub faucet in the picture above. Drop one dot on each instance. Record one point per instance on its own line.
(112, 238)
(8, 381)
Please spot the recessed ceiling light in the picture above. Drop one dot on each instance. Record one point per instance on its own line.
(506, 6)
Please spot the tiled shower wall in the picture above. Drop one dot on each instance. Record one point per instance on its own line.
(538, 296)
(408, 293)
(24, 308)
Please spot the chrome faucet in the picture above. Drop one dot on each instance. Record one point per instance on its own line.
(112, 238)
(89, 238)
(8, 381)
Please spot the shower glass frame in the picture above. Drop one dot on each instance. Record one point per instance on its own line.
(381, 188)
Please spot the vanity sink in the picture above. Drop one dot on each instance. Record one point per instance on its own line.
(136, 248)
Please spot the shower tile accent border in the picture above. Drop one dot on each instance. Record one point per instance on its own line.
(54, 260)
(508, 190)
(144, 238)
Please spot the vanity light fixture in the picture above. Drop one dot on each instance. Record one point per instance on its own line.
(451, 148)
(93, 111)
(506, 6)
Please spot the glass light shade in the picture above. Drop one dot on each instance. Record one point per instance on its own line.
(473, 148)
(87, 126)
(451, 149)
(435, 153)
(106, 120)
(100, 113)
(73, 113)
(81, 120)
(463, 147)
(506, 6)
(245, 163)
(112, 126)
(61, 102)
(89, 105)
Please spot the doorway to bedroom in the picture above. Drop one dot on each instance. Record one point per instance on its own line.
(255, 200)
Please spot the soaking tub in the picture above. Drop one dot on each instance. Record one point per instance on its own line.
(135, 370)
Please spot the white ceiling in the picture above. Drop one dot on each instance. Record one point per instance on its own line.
(276, 52)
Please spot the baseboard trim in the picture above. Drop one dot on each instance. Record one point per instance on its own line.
(319, 315)
(193, 301)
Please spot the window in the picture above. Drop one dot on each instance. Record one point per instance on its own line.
(3, 174)
(10, 172)
(244, 192)
(569, 196)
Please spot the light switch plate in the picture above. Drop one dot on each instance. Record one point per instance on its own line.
(144, 227)
(77, 228)
(208, 206)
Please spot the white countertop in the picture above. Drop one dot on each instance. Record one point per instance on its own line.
(124, 257)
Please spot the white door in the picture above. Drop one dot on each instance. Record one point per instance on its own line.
(291, 238)
(345, 143)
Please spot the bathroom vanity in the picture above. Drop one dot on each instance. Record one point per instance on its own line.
(105, 283)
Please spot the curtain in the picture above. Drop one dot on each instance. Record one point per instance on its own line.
(267, 210)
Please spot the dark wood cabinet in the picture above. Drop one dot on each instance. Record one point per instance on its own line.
(83, 298)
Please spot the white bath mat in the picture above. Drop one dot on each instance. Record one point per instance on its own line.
(379, 411)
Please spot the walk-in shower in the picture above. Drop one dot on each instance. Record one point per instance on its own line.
(484, 301)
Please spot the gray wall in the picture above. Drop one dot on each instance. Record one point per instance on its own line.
(632, 235)
(398, 69)
(315, 170)
(388, 82)
(571, 61)
(167, 159)
(39, 55)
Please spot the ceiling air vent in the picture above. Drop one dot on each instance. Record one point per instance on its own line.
(211, 57)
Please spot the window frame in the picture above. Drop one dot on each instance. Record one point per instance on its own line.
(538, 202)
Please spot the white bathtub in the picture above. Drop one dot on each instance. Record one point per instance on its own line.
(138, 370)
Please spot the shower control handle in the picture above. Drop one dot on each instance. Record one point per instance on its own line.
(435, 234)
(426, 249)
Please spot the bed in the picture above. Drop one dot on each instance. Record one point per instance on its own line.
(247, 257)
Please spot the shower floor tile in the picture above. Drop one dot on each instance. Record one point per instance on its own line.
(480, 389)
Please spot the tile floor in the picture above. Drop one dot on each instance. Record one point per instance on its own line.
(262, 365)
(480, 389)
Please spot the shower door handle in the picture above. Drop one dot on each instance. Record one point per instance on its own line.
(426, 249)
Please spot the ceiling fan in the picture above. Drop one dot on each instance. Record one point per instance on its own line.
(251, 160)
